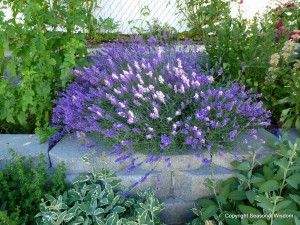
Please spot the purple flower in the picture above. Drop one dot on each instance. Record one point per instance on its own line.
(206, 161)
(260, 155)
(220, 71)
(165, 141)
(244, 68)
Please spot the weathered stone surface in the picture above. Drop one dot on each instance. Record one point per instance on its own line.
(292, 133)
(70, 151)
(159, 181)
(246, 142)
(176, 211)
(189, 185)
(23, 144)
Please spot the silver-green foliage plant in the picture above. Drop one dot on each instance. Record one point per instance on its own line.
(266, 190)
(93, 199)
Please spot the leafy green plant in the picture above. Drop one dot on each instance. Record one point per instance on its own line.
(153, 27)
(201, 14)
(22, 186)
(245, 47)
(282, 91)
(46, 40)
(266, 190)
(92, 199)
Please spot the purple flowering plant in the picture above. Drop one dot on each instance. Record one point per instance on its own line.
(154, 98)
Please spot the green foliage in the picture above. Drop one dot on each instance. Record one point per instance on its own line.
(154, 27)
(242, 43)
(105, 29)
(46, 40)
(94, 200)
(200, 14)
(282, 89)
(22, 186)
(267, 185)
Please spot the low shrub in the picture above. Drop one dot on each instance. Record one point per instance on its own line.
(23, 185)
(94, 200)
(266, 190)
(155, 99)
(282, 90)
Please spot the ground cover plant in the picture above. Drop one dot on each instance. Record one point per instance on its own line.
(93, 199)
(46, 39)
(156, 99)
(266, 190)
(22, 186)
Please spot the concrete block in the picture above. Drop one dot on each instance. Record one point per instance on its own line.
(70, 151)
(23, 144)
(292, 133)
(189, 185)
(159, 181)
(176, 211)
(241, 148)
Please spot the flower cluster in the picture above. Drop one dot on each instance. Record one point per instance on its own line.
(288, 21)
(153, 98)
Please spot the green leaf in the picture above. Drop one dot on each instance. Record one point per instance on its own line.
(98, 211)
(113, 219)
(270, 185)
(296, 198)
(257, 179)
(260, 222)
(223, 194)
(283, 205)
(206, 203)
(248, 210)
(242, 178)
(268, 173)
(297, 123)
(244, 166)
(251, 195)
(265, 203)
(283, 163)
(237, 195)
(86, 208)
(119, 209)
(288, 123)
(294, 180)
(209, 212)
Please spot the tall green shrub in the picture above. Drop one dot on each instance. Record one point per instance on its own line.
(46, 39)
(23, 185)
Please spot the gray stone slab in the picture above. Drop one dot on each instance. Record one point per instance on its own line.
(23, 144)
(245, 144)
(158, 181)
(176, 211)
(189, 185)
(71, 151)
(291, 133)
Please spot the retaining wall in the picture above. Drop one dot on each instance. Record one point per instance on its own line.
(178, 185)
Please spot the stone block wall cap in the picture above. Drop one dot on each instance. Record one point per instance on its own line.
(24, 144)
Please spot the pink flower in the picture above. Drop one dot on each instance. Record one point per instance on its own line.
(241, 1)
(279, 32)
(279, 24)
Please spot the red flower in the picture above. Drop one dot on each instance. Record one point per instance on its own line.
(278, 7)
(290, 5)
(279, 32)
(279, 24)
